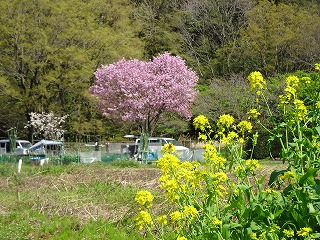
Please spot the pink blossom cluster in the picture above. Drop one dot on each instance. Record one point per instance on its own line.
(47, 125)
(136, 90)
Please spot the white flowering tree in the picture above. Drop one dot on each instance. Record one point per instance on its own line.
(47, 125)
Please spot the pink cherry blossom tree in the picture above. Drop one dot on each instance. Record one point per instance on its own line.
(140, 91)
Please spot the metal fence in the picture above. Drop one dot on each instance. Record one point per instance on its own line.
(108, 152)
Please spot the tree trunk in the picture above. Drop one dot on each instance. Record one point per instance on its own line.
(144, 141)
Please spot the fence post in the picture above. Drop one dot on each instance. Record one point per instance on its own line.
(19, 164)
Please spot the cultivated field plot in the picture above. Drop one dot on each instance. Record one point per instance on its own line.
(79, 201)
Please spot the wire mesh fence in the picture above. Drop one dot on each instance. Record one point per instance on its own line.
(106, 153)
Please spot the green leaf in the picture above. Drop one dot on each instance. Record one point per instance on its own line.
(311, 208)
(274, 176)
(318, 130)
(278, 213)
(226, 231)
(309, 177)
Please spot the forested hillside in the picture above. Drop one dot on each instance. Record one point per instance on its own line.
(49, 51)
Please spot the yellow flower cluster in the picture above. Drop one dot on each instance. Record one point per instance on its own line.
(181, 238)
(274, 228)
(249, 167)
(216, 221)
(176, 216)
(214, 162)
(225, 120)
(190, 211)
(218, 177)
(187, 175)
(289, 175)
(177, 177)
(230, 138)
(317, 66)
(226, 123)
(253, 114)
(143, 219)
(269, 191)
(170, 186)
(256, 81)
(144, 198)
(303, 232)
(169, 148)
(262, 236)
(292, 83)
(252, 165)
(306, 80)
(168, 162)
(301, 109)
(245, 126)
(202, 137)
(288, 233)
(201, 123)
(162, 220)
(220, 191)
(240, 171)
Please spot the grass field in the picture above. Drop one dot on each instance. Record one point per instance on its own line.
(78, 201)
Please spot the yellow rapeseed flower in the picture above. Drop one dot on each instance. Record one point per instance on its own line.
(291, 176)
(303, 232)
(253, 113)
(168, 148)
(274, 228)
(201, 122)
(307, 80)
(253, 235)
(210, 149)
(288, 233)
(216, 221)
(202, 137)
(269, 191)
(317, 66)
(252, 165)
(284, 99)
(176, 216)
(291, 91)
(220, 190)
(144, 198)
(168, 162)
(170, 186)
(292, 81)
(181, 238)
(301, 109)
(225, 120)
(219, 177)
(245, 126)
(230, 138)
(240, 171)
(162, 220)
(143, 218)
(190, 211)
(256, 81)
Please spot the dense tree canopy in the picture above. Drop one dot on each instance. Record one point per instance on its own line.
(279, 38)
(49, 51)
